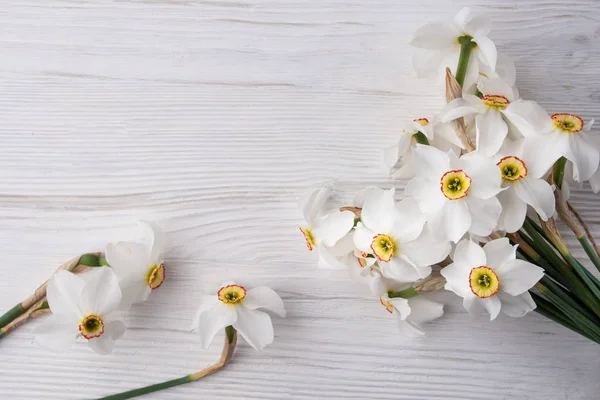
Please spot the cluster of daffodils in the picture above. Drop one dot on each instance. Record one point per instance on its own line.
(90, 305)
(475, 172)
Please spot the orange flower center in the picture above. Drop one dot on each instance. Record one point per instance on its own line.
(455, 184)
(568, 123)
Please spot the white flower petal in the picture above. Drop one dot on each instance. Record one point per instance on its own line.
(332, 227)
(529, 118)
(402, 270)
(427, 63)
(63, 292)
(424, 310)
(254, 326)
(518, 276)
(472, 24)
(425, 250)
(430, 162)
(492, 305)
(514, 210)
(409, 220)
(541, 153)
(457, 278)
(206, 302)
(408, 328)
(485, 215)
(128, 258)
(486, 51)
(491, 132)
(497, 87)
(457, 108)
(435, 36)
(363, 238)
(473, 304)
(499, 252)
(214, 319)
(457, 219)
(537, 193)
(584, 157)
(101, 293)
(56, 333)
(328, 261)
(595, 181)
(379, 210)
(469, 253)
(401, 306)
(516, 306)
(102, 345)
(428, 194)
(156, 241)
(485, 175)
(312, 203)
(264, 297)
(134, 290)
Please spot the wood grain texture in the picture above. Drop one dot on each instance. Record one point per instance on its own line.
(211, 118)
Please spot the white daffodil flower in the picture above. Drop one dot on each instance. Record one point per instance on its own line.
(397, 159)
(491, 127)
(394, 234)
(522, 188)
(441, 40)
(139, 266)
(550, 137)
(327, 233)
(234, 305)
(456, 195)
(363, 268)
(82, 308)
(411, 313)
(491, 278)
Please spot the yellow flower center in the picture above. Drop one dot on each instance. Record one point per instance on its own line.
(483, 282)
(231, 294)
(156, 276)
(455, 184)
(422, 121)
(384, 247)
(308, 236)
(568, 123)
(512, 168)
(495, 101)
(386, 303)
(91, 327)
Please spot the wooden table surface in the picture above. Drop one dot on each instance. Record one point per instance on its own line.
(211, 118)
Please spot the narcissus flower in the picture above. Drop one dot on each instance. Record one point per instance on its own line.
(397, 159)
(491, 278)
(394, 234)
(491, 127)
(442, 40)
(411, 313)
(522, 188)
(139, 266)
(456, 195)
(82, 308)
(237, 306)
(550, 137)
(326, 233)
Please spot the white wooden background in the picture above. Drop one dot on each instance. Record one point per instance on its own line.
(211, 117)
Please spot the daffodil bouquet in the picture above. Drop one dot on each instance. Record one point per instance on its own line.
(488, 178)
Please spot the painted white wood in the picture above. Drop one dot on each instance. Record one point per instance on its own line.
(211, 117)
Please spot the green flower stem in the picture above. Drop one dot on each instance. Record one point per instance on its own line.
(547, 309)
(575, 316)
(421, 138)
(405, 294)
(558, 172)
(565, 274)
(590, 251)
(466, 47)
(567, 297)
(11, 315)
(226, 355)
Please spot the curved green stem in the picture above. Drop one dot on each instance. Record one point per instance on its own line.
(466, 47)
(405, 294)
(226, 355)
